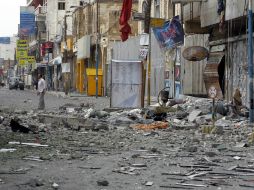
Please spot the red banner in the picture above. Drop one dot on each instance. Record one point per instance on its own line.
(124, 17)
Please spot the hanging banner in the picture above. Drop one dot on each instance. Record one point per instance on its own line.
(27, 21)
(171, 34)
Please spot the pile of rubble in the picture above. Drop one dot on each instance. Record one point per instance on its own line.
(186, 137)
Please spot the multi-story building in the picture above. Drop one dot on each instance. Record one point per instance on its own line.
(224, 23)
(7, 54)
(85, 29)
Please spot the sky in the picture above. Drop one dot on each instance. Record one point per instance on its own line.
(9, 16)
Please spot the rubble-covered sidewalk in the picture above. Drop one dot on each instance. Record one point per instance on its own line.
(80, 146)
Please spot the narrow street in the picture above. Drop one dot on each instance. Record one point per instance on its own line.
(28, 100)
(80, 148)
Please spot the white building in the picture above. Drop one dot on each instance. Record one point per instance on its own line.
(55, 17)
(7, 51)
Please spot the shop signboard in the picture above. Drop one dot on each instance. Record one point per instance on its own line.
(27, 20)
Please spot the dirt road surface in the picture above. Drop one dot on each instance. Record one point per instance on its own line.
(114, 156)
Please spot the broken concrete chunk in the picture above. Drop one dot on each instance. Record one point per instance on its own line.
(149, 183)
(217, 130)
(35, 182)
(17, 127)
(210, 154)
(241, 145)
(189, 148)
(223, 123)
(3, 150)
(1, 119)
(193, 115)
(102, 183)
(55, 186)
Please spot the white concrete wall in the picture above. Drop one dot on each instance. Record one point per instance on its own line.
(55, 17)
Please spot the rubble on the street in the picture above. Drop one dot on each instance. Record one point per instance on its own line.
(178, 144)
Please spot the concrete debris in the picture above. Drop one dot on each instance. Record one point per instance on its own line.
(102, 183)
(149, 183)
(3, 150)
(179, 138)
(223, 123)
(87, 113)
(55, 186)
(28, 144)
(210, 154)
(193, 115)
(33, 158)
(241, 145)
(16, 127)
(1, 119)
(35, 182)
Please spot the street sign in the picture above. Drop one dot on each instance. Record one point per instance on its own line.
(31, 59)
(143, 53)
(212, 92)
(157, 22)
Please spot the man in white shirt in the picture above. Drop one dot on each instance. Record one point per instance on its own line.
(41, 92)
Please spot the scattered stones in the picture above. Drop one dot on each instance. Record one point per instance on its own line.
(189, 148)
(55, 186)
(210, 154)
(1, 119)
(102, 183)
(217, 130)
(35, 182)
(16, 127)
(193, 115)
(149, 183)
(221, 147)
(223, 123)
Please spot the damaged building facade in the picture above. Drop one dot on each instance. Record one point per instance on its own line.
(222, 26)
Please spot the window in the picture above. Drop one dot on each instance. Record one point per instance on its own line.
(61, 5)
(157, 8)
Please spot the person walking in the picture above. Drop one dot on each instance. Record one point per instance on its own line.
(41, 92)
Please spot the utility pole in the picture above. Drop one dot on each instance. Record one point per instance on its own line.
(147, 30)
(250, 61)
(66, 90)
(97, 46)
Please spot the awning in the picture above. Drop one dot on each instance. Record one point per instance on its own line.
(56, 61)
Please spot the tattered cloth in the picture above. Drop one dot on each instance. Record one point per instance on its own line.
(124, 17)
(152, 126)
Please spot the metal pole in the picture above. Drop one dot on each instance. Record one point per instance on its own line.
(47, 70)
(147, 30)
(97, 45)
(250, 61)
(149, 70)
